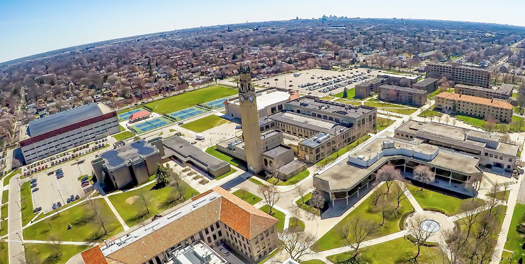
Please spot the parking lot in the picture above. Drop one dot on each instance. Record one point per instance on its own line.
(319, 82)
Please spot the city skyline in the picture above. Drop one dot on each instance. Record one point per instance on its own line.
(31, 27)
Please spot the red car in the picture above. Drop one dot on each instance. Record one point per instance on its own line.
(84, 184)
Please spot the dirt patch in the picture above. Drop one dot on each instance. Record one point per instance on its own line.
(131, 200)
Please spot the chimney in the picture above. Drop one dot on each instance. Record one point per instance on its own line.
(492, 101)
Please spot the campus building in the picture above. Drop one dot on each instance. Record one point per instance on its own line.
(129, 165)
(474, 106)
(211, 218)
(503, 92)
(269, 101)
(427, 84)
(402, 95)
(56, 133)
(460, 74)
(491, 152)
(139, 116)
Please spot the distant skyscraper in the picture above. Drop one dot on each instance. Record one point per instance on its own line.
(250, 122)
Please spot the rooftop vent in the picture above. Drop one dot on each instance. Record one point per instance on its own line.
(361, 157)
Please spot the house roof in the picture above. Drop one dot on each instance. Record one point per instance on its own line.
(474, 99)
(144, 243)
(139, 114)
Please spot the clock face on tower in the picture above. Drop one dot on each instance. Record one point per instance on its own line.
(241, 98)
(251, 98)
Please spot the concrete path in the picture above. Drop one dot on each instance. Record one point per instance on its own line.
(117, 215)
(73, 243)
(16, 250)
(411, 199)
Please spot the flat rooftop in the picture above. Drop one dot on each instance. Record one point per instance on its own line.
(504, 89)
(446, 131)
(410, 77)
(121, 156)
(313, 103)
(402, 89)
(308, 122)
(277, 151)
(425, 82)
(267, 98)
(184, 148)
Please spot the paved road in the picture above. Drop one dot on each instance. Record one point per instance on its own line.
(16, 249)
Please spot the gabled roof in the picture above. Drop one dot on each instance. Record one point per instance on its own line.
(139, 114)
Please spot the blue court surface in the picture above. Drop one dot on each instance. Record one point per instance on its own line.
(216, 104)
(125, 116)
(151, 124)
(187, 113)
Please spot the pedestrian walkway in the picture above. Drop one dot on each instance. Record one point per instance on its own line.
(117, 215)
(411, 198)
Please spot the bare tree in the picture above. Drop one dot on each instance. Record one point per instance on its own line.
(243, 193)
(424, 174)
(99, 216)
(388, 173)
(144, 201)
(446, 119)
(400, 193)
(385, 207)
(317, 200)
(469, 216)
(356, 232)
(300, 191)
(454, 245)
(376, 196)
(270, 195)
(56, 241)
(297, 243)
(420, 234)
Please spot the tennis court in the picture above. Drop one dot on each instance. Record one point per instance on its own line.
(125, 116)
(187, 113)
(216, 104)
(151, 124)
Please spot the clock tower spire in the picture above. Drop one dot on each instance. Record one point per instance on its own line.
(250, 122)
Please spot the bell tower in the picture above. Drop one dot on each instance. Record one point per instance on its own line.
(250, 122)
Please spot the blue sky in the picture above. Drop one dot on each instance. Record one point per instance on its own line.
(31, 27)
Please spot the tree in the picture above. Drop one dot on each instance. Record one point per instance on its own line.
(317, 200)
(144, 201)
(446, 119)
(424, 174)
(243, 193)
(300, 191)
(400, 194)
(356, 232)
(162, 175)
(56, 241)
(270, 195)
(469, 216)
(419, 233)
(345, 93)
(388, 173)
(297, 243)
(376, 196)
(385, 207)
(99, 216)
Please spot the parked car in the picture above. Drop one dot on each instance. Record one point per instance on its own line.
(77, 197)
(224, 251)
(59, 204)
(33, 181)
(54, 206)
(59, 172)
(33, 185)
(36, 210)
(84, 184)
(35, 189)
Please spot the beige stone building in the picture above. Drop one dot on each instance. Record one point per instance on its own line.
(475, 106)
(503, 92)
(402, 95)
(213, 217)
(459, 73)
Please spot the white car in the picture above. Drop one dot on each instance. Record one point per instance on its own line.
(224, 251)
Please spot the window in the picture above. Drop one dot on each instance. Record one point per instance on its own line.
(220, 233)
(209, 240)
(214, 237)
(211, 227)
(217, 225)
(206, 231)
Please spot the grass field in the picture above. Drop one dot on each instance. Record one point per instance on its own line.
(185, 100)
(313, 261)
(305, 206)
(3, 228)
(514, 239)
(4, 254)
(205, 123)
(10, 175)
(350, 102)
(434, 200)
(26, 203)
(342, 151)
(127, 204)
(403, 111)
(232, 170)
(83, 228)
(433, 94)
(502, 195)
(475, 121)
(123, 136)
(383, 123)
(395, 251)
(252, 179)
(380, 104)
(366, 210)
(277, 214)
(5, 196)
(295, 179)
(296, 224)
(46, 254)
(121, 128)
(233, 161)
(428, 113)
(4, 211)
(248, 196)
(349, 92)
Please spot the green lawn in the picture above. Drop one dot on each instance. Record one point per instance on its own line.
(380, 104)
(185, 100)
(434, 200)
(232, 170)
(395, 251)
(4, 211)
(305, 205)
(342, 151)
(83, 227)
(428, 113)
(403, 111)
(514, 239)
(3, 228)
(5, 196)
(295, 179)
(233, 161)
(248, 196)
(296, 224)
(4, 254)
(350, 102)
(26, 203)
(9, 176)
(475, 121)
(123, 136)
(313, 261)
(383, 123)
(349, 92)
(252, 179)
(122, 128)
(46, 254)
(433, 94)
(127, 206)
(366, 210)
(205, 123)
(501, 194)
(277, 214)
